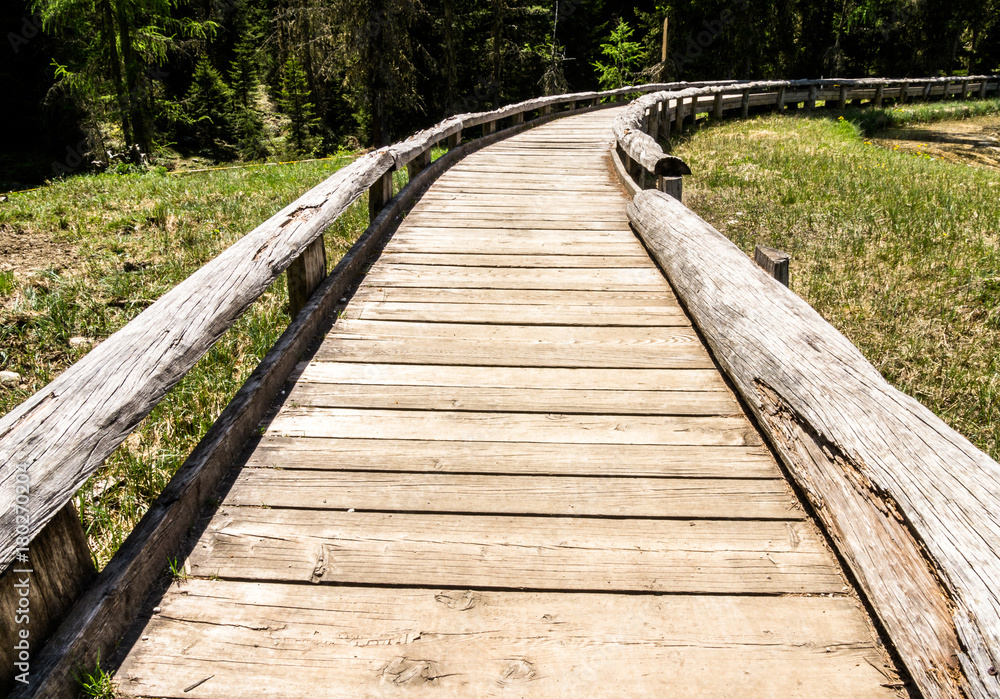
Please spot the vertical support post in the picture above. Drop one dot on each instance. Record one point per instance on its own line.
(654, 121)
(57, 571)
(305, 274)
(415, 166)
(780, 103)
(673, 186)
(545, 110)
(904, 90)
(774, 262)
(455, 140)
(879, 94)
(680, 115)
(965, 90)
(717, 106)
(811, 99)
(927, 92)
(489, 127)
(982, 88)
(665, 120)
(571, 106)
(842, 102)
(379, 195)
(745, 104)
(947, 89)
(519, 118)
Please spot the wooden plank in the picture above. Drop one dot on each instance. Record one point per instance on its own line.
(654, 380)
(907, 500)
(669, 339)
(484, 644)
(516, 495)
(532, 553)
(305, 275)
(502, 242)
(526, 458)
(509, 353)
(597, 260)
(579, 297)
(637, 279)
(528, 400)
(460, 426)
(520, 314)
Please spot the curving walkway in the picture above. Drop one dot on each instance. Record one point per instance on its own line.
(511, 469)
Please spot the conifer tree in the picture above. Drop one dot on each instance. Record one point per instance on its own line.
(208, 106)
(294, 100)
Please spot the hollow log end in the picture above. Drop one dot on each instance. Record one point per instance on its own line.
(672, 166)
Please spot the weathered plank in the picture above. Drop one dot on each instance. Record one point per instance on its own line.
(569, 496)
(908, 501)
(524, 400)
(591, 258)
(579, 297)
(515, 427)
(536, 553)
(433, 642)
(531, 458)
(637, 279)
(520, 314)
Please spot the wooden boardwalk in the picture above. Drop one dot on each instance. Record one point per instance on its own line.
(512, 469)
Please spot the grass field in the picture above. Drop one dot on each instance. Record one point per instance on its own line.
(899, 251)
(113, 245)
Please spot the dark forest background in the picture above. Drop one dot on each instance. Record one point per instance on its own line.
(251, 79)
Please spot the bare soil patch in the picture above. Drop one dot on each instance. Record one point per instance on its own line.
(25, 251)
(974, 141)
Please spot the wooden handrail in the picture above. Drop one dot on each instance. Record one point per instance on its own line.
(637, 136)
(910, 504)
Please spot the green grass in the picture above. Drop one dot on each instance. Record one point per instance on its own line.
(900, 252)
(136, 237)
(871, 121)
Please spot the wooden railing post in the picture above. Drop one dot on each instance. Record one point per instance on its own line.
(673, 186)
(811, 99)
(879, 93)
(455, 140)
(571, 106)
(947, 89)
(417, 165)
(489, 127)
(745, 104)
(654, 121)
(379, 194)
(545, 110)
(780, 102)
(38, 591)
(519, 118)
(665, 117)
(927, 92)
(717, 106)
(982, 88)
(305, 274)
(774, 262)
(842, 102)
(965, 90)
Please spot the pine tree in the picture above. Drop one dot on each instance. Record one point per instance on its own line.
(294, 100)
(247, 119)
(208, 106)
(624, 58)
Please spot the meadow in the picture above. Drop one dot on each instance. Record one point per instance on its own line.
(899, 250)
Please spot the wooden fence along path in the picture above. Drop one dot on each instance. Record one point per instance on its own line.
(508, 448)
(515, 464)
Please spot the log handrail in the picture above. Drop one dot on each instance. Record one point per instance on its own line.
(64, 432)
(640, 128)
(911, 505)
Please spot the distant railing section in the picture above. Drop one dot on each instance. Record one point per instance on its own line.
(651, 119)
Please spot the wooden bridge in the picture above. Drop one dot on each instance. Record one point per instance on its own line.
(512, 465)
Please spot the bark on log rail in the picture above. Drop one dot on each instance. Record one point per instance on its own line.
(911, 504)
